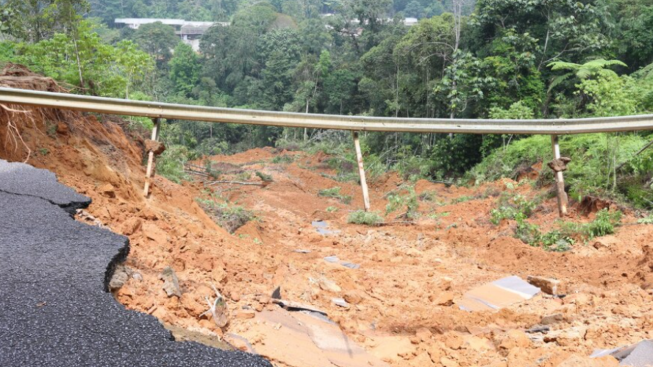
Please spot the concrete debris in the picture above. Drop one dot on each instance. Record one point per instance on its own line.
(340, 302)
(637, 355)
(335, 260)
(322, 228)
(496, 295)
(303, 251)
(547, 285)
(295, 306)
(552, 319)
(170, 282)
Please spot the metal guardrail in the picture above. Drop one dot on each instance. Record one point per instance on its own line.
(336, 122)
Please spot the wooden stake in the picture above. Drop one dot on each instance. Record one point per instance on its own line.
(560, 179)
(361, 171)
(150, 159)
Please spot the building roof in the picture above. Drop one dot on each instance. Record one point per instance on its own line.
(150, 20)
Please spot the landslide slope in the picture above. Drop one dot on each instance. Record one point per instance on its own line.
(411, 272)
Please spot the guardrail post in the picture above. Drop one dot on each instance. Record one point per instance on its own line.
(560, 179)
(150, 159)
(361, 171)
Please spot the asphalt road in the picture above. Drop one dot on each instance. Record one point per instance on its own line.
(54, 308)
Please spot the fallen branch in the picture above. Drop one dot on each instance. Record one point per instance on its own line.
(636, 154)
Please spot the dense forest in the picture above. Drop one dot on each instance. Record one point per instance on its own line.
(474, 59)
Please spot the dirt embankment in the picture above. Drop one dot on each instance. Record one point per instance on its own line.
(402, 297)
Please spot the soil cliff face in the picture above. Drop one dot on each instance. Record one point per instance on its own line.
(402, 298)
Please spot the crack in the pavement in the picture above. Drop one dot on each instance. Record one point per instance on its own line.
(70, 208)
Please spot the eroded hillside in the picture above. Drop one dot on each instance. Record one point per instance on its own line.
(401, 302)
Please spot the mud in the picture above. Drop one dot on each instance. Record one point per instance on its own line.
(410, 275)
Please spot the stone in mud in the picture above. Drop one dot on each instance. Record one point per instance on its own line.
(170, 282)
(329, 285)
(131, 226)
(354, 297)
(107, 190)
(552, 319)
(547, 285)
(444, 299)
(155, 233)
(245, 314)
(119, 278)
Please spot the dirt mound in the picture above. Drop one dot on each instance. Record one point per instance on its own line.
(400, 281)
(20, 77)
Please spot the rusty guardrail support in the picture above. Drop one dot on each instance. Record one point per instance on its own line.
(150, 159)
(361, 170)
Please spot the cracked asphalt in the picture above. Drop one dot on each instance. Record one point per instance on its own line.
(54, 307)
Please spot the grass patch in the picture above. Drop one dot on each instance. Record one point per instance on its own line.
(334, 192)
(283, 159)
(366, 218)
(228, 217)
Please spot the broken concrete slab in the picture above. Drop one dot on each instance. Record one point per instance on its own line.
(641, 356)
(636, 355)
(498, 294)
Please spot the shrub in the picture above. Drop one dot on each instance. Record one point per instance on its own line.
(396, 201)
(334, 192)
(510, 209)
(363, 217)
(603, 224)
(283, 159)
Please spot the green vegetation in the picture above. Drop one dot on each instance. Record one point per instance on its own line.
(408, 201)
(264, 177)
(568, 232)
(363, 217)
(646, 220)
(228, 217)
(334, 192)
(512, 207)
(493, 59)
(283, 159)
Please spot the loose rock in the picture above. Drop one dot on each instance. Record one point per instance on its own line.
(547, 285)
(170, 282)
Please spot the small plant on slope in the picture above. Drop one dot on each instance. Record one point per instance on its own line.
(363, 217)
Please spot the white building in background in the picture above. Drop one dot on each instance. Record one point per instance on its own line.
(189, 32)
